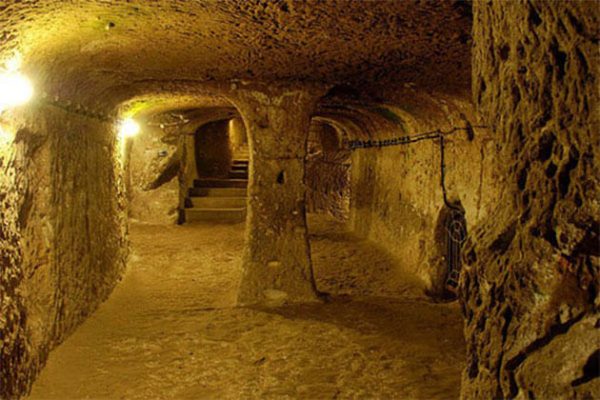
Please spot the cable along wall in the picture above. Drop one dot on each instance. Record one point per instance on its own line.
(453, 214)
(402, 182)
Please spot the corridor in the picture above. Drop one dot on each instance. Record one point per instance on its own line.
(299, 199)
(170, 329)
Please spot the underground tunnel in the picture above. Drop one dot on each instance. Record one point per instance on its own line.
(285, 199)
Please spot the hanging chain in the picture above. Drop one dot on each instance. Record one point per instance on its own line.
(402, 140)
(456, 228)
(456, 234)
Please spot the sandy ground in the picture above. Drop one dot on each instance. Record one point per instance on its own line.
(171, 331)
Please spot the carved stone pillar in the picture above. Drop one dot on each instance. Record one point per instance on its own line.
(276, 261)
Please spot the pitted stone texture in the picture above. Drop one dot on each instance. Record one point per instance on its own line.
(397, 198)
(153, 165)
(276, 256)
(327, 172)
(14, 350)
(531, 292)
(71, 225)
(100, 50)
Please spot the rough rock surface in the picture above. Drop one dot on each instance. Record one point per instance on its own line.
(276, 263)
(153, 164)
(531, 294)
(528, 184)
(171, 328)
(119, 46)
(327, 172)
(13, 334)
(69, 223)
(396, 196)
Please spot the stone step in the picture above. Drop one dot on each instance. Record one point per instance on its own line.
(218, 202)
(239, 161)
(215, 214)
(238, 175)
(218, 192)
(220, 183)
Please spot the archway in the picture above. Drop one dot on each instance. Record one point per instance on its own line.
(215, 173)
(328, 172)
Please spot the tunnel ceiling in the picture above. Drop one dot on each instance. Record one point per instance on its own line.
(104, 48)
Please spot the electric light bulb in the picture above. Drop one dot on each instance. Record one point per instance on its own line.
(15, 90)
(129, 128)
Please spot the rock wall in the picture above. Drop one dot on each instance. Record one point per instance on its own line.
(397, 199)
(531, 290)
(153, 166)
(63, 215)
(13, 334)
(327, 173)
(237, 134)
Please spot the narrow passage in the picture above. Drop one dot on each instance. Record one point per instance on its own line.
(170, 329)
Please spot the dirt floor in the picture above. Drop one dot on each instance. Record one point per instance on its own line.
(171, 331)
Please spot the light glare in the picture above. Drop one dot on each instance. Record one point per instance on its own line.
(6, 137)
(15, 90)
(129, 128)
(14, 63)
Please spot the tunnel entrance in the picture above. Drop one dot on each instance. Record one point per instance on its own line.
(218, 192)
(212, 150)
(328, 172)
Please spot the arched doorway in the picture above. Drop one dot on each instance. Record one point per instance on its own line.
(221, 161)
(327, 172)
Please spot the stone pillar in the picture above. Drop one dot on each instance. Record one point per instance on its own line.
(276, 261)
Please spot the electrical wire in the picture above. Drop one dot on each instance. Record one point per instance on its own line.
(458, 235)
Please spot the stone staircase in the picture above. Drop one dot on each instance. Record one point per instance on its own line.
(221, 199)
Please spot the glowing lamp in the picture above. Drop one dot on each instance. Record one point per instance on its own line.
(129, 128)
(15, 90)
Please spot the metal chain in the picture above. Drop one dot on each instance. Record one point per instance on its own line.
(402, 140)
(456, 228)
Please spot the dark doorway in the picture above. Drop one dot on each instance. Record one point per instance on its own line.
(212, 149)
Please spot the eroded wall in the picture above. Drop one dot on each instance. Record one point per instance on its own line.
(531, 290)
(397, 197)
(13, 343)
(63, 213)
(153, 166)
